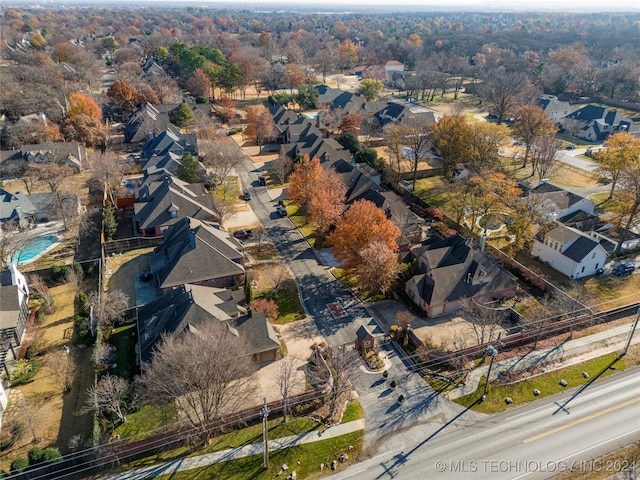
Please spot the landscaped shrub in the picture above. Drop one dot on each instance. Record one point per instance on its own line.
(82, 305)
(12, 431)
(35, 455)
(40, 314)
(81, 331)
(393, 384)
(51, 455)
(19, 465)
(58, 273)
(23, 371)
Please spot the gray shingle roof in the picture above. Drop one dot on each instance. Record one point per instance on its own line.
(579, 249)
(194, 252)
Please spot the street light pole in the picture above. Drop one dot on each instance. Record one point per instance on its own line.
(265, 435)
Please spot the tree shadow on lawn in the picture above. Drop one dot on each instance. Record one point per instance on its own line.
(73, 421)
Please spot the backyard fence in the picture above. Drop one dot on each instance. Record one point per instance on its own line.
(128, 244)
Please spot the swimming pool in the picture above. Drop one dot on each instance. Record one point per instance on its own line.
(34, 248)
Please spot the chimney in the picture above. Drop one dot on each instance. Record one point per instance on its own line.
(249, 314)
(483, 242)
(192, 239)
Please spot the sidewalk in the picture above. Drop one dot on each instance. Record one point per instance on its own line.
(569, 353)
(188, 463)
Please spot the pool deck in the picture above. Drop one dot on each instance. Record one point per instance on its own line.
(41, 230)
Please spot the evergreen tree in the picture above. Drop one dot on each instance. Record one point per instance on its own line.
(189, 170)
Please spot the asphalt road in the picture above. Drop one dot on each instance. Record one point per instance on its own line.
(532, 442)
(318, 287)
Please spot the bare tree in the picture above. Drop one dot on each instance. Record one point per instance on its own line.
(483, 321)
(543, 155)
(108, 307)
(288, 381)
(11, 242)
(203, 371)
(416, 133)
(62, 366)
(220, 155)
(113, 395)
(108, 172)
(404, 318)
(282, 166)
(337, 366)
(31, 411)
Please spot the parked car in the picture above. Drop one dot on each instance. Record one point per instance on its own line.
(242, 234)
(571, 146)
(262, 181)
(623, 269)
(281, 210)
(246, 196)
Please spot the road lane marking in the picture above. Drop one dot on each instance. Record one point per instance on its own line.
(576, 422)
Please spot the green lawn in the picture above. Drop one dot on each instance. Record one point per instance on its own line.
(298, 218)
(142, 423)
(124, 339)
(548, 384)
(310, 456)
(289, 304)
(353, 412)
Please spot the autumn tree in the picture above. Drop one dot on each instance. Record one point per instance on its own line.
(491, 193)
(123, 95)
(224, 108)
(260, 126)
(452, 137)
(361, 225)
(529, 123)
(82, 104)
(113, 395)
(83, 129)
(485, 142)
(220, 155)
(351, 123)
(370, 89)
(203, 372)
(629, 200)
(620, 150)
(269, 307)
(326, 202)
(306, 174)
(199, 84)
(379, 268)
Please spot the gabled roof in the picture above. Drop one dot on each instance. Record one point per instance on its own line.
(362, 333)
(20, 206)
(194, 252)
(326, 94)
(169, 141)
(583, 221)
(561, 198)
(186, 307)
(452, 270)
(148, 120)
(156, 201)
(576, 245)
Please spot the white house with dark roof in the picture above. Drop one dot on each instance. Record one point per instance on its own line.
(570, 252)
(558, 201)
(596, 124)
(556, 109)
(14, 312)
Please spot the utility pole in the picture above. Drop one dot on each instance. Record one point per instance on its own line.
(493, 352)
(265, 433)
(633, 329)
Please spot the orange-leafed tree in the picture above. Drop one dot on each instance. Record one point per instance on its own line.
(378, 269)
(358, 228)
(224, 108)
(303, 181)
(82, 104)
(325, 204)
(123, 95)
(260, 126)
(351, 123)
(269, 307)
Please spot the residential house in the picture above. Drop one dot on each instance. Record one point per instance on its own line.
(399, 112)
(149, 121)
(557, 201)
(326, 96)
(451, 270)
(71, 154)
(14, 312)
(570, 252)
(185, 307)
(555, 108)
(393, 69)
(25, 209)
(596, 124)
(163, 153)
(198, 253)
(165, 202)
